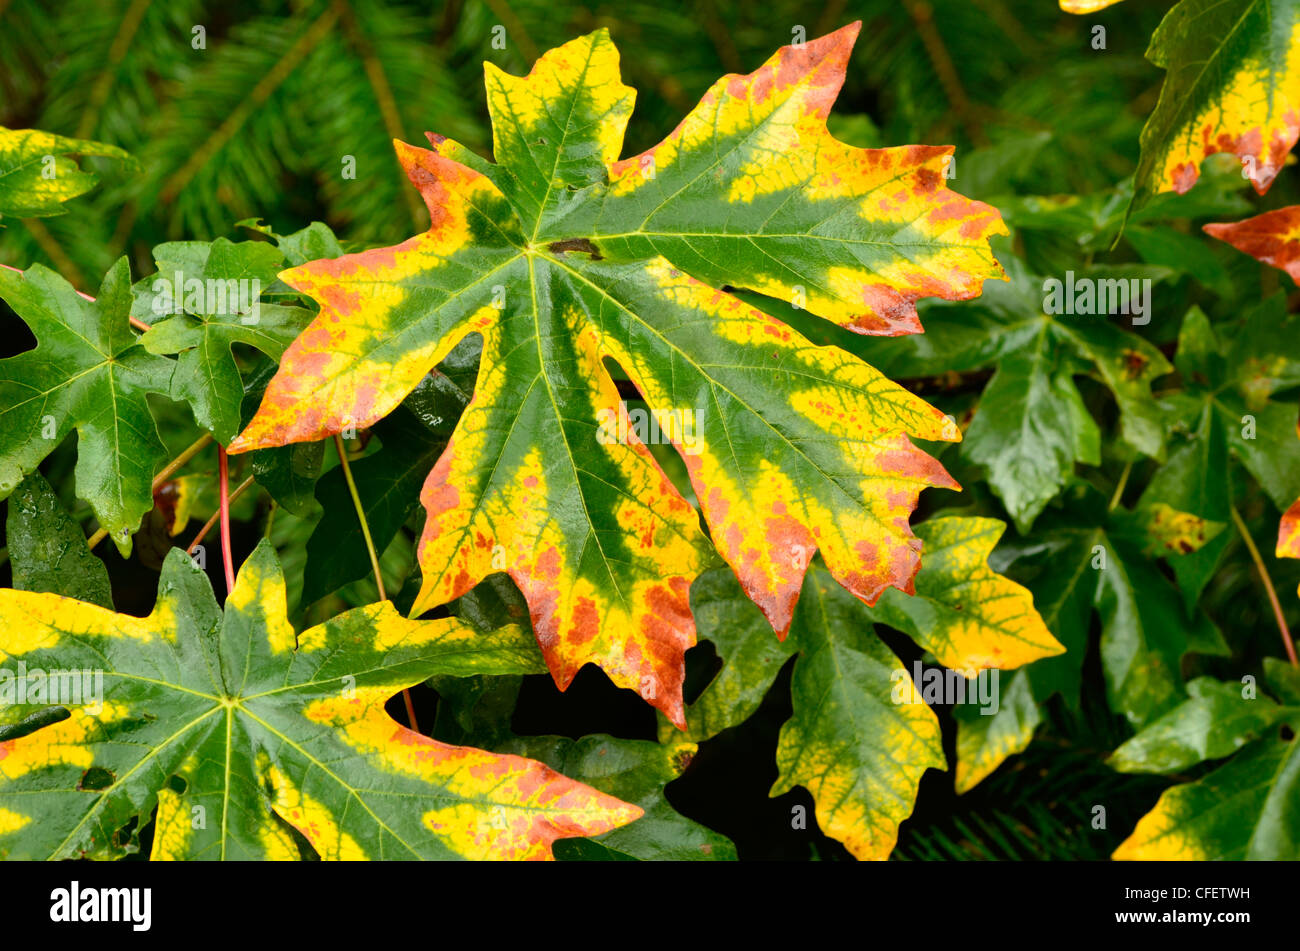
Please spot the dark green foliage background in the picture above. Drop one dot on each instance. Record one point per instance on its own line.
(259, 122)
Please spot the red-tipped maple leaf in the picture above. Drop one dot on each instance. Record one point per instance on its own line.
(561, 256)
(1273, 237)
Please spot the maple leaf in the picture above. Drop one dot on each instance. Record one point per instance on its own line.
(204, 298)
(562, 255)
(1245, 808)
(971, 618)
(1288, 536)
(1171, 531)
(859, 752)
(861, 736)
(48, 548)
(635, 771)
(1213, 722)
(985, 741)
(965, 613)
(1233, 85)
(1086, 6)
(1227, 413)
(750, 656)
(1031, 424)
(232, 725)
(88, 372)
(1273, 237)
(1096, 562)
(35, 176)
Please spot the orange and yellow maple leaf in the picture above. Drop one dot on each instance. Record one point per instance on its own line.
(562, 257)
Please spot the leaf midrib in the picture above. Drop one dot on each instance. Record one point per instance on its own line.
(782, 437)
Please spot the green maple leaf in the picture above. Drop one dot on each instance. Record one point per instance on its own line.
(205, 297)
(1226, 412)
(860, 736)
(850, 741)
(751, 657)
(48, 548)
(1031, 425)
(1247, 808)
(1093, 560)
(36, 177)
(89, 373)
(236, 729)
(561, 256)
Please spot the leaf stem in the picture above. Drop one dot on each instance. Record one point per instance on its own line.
(361, 515)
(207, 526)
(370, 550)
(410, 710)
(1119, 489)
(194, 449)
(1268, 585)
(224, 478)
(166, 473)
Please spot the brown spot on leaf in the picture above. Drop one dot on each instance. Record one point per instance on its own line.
(575, 244)
(1134, 364)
